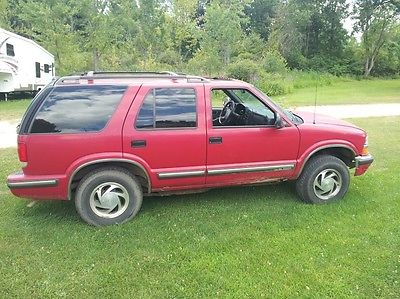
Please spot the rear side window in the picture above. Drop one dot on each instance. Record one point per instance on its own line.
(168, 108)
(73, 109)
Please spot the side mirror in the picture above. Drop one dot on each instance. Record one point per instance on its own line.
(278, 122)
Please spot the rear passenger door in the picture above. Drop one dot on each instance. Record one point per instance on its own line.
(165, 132)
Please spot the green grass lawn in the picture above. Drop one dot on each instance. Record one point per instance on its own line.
(235, 242)
(348, 92)
(13, 110)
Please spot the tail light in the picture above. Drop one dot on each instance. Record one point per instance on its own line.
(22, 152)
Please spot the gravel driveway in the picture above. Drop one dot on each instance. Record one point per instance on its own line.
(8, 136)
(355, 111)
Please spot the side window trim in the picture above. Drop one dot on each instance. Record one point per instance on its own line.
(152, 91)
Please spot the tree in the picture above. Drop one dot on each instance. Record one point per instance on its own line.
(374, 19)
(181, 23)
(51, 23)
(222, 31)
(286, 36)
(3, 13)
(307, 30)
(261, 15)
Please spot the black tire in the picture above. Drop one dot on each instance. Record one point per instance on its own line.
(101, 190)
(324, 179)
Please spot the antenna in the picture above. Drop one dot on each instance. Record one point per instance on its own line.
(315, 100)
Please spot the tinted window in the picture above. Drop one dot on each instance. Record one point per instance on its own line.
(168, 108)
(72, 109)
(10, 50)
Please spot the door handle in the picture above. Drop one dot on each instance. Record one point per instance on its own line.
(138, 143)
(215, 140)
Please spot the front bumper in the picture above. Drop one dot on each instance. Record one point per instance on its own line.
(362, 164)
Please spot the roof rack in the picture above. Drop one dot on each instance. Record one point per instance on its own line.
(129, 75)
(137, 74)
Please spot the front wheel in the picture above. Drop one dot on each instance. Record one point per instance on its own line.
(108, 196)
(324, 179)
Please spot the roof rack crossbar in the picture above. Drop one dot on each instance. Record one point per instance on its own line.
(138, 73)
(130, 75)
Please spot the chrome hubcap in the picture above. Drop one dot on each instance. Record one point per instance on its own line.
(327, 184)
(109, 200)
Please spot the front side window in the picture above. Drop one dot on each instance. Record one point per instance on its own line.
(74, 109)
(10, 50)
(168, 108)
(239, 107)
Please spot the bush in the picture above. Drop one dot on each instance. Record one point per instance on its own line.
(302, 79)
(279, 84)
(205, 63)
(274, 85)
(274, 62)
(245, 70)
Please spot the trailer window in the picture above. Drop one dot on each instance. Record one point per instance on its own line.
(10, 50)
(75, 109)
(37, 65)
(47, 68)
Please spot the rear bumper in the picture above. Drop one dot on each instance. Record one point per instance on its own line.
(36, 187)
(362, 164)
(32, 184)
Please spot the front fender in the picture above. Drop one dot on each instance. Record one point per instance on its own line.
(317, 147)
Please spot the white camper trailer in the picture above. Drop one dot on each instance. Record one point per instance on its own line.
(24, 65)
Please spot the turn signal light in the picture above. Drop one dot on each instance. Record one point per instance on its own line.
(365, 150)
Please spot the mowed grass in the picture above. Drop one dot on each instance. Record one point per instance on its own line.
(347, 92)
(13, 109)
(233, 243)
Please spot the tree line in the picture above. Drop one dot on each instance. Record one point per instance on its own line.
(213, 37)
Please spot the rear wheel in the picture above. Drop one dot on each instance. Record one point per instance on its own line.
(108, 196)
(324, 179)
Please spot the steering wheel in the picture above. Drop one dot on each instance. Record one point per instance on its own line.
(226, 112)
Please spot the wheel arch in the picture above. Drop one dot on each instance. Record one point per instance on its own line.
(133, 167)
(340, 151)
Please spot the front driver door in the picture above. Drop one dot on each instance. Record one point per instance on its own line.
(247, 151)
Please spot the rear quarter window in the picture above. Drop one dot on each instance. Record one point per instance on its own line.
(74, 109)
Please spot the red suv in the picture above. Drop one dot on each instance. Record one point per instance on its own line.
(104, 139)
